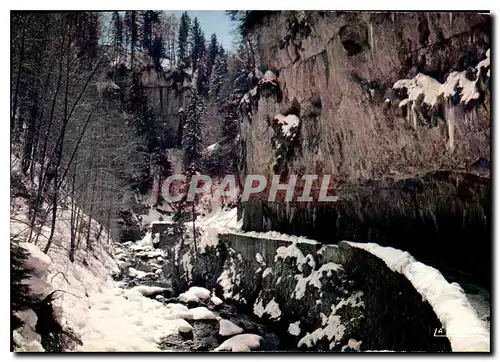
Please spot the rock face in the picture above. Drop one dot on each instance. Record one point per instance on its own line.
(338, 72)
(316, 297)
(169, 93)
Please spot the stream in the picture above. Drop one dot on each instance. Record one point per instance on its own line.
(141, 267)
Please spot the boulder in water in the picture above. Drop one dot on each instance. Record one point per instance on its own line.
(228, 328)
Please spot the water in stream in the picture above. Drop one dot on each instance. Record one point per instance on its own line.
(143, 270)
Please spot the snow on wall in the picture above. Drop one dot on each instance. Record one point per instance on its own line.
(266, 272)
(272, 309)
(465, 330)
(352, 344)
(291, 251)
(228, 279)
(294, 328)
(332, 329)
(314, 278)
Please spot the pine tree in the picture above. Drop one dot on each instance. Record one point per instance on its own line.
(212, 52)
(117, 29)
(229, 120)
(197, 41)
(136, 102)
(150, 20)
(133, 32)
(21, 296)
(86, 27)
(218, 78)
(192, 142)
(157, 51)
(202, 80)
(182, 46)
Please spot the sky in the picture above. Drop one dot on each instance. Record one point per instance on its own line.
(213, 22)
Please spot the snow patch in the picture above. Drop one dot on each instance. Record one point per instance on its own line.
(289, 124)
(294, 328)
(314, 278)
(266, 272)
(291, 251)
(332, 330)
(260, 258)
(272, 309)
(352, 344)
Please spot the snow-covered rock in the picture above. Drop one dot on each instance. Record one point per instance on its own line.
(216, 300)
(241, 343)
(201, 293)
(228, 328)
(202, 313)
(177, 310)
(194, 295)
(188, 298)
(134, 273)
(332, 329)
(148, 291)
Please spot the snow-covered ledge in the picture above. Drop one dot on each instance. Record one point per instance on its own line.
(464, 329)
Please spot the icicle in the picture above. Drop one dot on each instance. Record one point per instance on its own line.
(393, 16)
(414, 116)
(451, 134)
(450, 115)
(471, 117)
(372, 44)
(451, 19)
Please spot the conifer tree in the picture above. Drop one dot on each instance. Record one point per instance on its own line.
(212, 52)
(131, 24)
(136, 102)
(218, 78)
(117, 29)
(192, 142)
(21, 296)
(197, 41)
(150, 20)
(184, 26)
